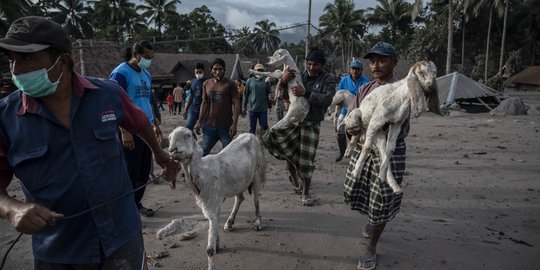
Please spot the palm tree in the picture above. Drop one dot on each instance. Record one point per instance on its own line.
(74, 16)
(501, 59)
(265, 36)
(11, 10)
(157, 10)
(491, 5)
(450, 37)
(118, 17)
(393, 13)
(244, 36)
(345, 25)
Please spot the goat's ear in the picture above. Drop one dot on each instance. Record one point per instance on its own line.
(433, 99)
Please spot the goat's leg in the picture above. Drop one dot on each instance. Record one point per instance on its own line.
(350, 147)
(385, 172)
(258, 222)
(213, 233)
(366, 148)
(238, 199)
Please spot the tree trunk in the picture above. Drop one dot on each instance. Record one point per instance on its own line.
(463, 43)
(501, 59)
(450, 38)
(487, 45)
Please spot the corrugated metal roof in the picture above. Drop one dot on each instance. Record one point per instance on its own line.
(458, 86)
(530, 76)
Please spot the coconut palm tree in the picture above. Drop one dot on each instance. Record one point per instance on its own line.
(74, 15)
(11, 10)
(243, 39)
(492, 6)
(393, 13)
(265, 36)
(342, 23)
(157, 10)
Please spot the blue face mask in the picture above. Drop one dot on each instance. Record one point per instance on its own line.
(36, 83)
(144, 63)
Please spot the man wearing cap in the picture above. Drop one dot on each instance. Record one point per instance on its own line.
(367, 194)
(298, 145)
(58, 136)
(351, 82)
(256, 100)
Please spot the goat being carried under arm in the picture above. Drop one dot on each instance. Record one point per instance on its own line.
(391, 104)
(238, 167)
(342, 98)
(299, 106)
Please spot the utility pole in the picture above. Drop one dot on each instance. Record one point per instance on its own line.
(308, 35)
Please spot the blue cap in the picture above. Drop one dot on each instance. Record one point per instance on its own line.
(383, 49)
(355, 63)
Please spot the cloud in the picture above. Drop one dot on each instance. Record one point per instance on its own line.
(239, 18)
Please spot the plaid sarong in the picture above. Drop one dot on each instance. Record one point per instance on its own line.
(367, 193)
(297, 145)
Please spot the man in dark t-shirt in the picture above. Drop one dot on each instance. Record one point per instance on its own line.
(219, 109)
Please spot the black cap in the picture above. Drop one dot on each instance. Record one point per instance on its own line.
(382, 48)
(33, 34)
(316, 55)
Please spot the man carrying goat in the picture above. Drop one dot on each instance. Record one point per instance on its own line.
(298, 144)
(366, 190)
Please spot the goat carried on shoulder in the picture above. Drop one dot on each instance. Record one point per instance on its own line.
(382, 112)
(299, 106)
(240, 166)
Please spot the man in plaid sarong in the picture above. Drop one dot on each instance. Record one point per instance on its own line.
(298, 144)
(366, 193)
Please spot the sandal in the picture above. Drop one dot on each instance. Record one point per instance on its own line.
(147, 212)
(366, 231)
(309, 201)
(368, 262)
(297, 187)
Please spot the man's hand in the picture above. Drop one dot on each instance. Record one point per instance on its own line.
(127, 140)
(298, 91)
(232, 131)
(287, 76)
(197, 127)
(159, 134)
(29, 218)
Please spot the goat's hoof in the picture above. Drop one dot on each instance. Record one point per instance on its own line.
(210, 252)
(257, 226)
(228, 226)
(398, 191)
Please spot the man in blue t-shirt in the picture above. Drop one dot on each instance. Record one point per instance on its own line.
(133, 76)
(191, 113)
(351, 82)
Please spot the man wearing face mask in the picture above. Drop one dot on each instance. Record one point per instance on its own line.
(256, 99)
(298, 145)
(220, 108)
(133, 76)
(58, 136)
(191, 113)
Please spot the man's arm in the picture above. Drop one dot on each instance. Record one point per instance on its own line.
(236, 111)
(25, 217)
(203, 111)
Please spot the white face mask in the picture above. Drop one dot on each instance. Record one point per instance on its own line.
(199, 75)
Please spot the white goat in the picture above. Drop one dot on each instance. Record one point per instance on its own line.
(238, 167)
(390, 105)
(299, 106)
(342, 98)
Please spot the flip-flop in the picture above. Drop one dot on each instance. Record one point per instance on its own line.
(297, 187)
(366, 231)
(147, 212)
(368, 262)
(309, 201)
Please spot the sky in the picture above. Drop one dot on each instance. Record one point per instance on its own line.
(239, 13)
